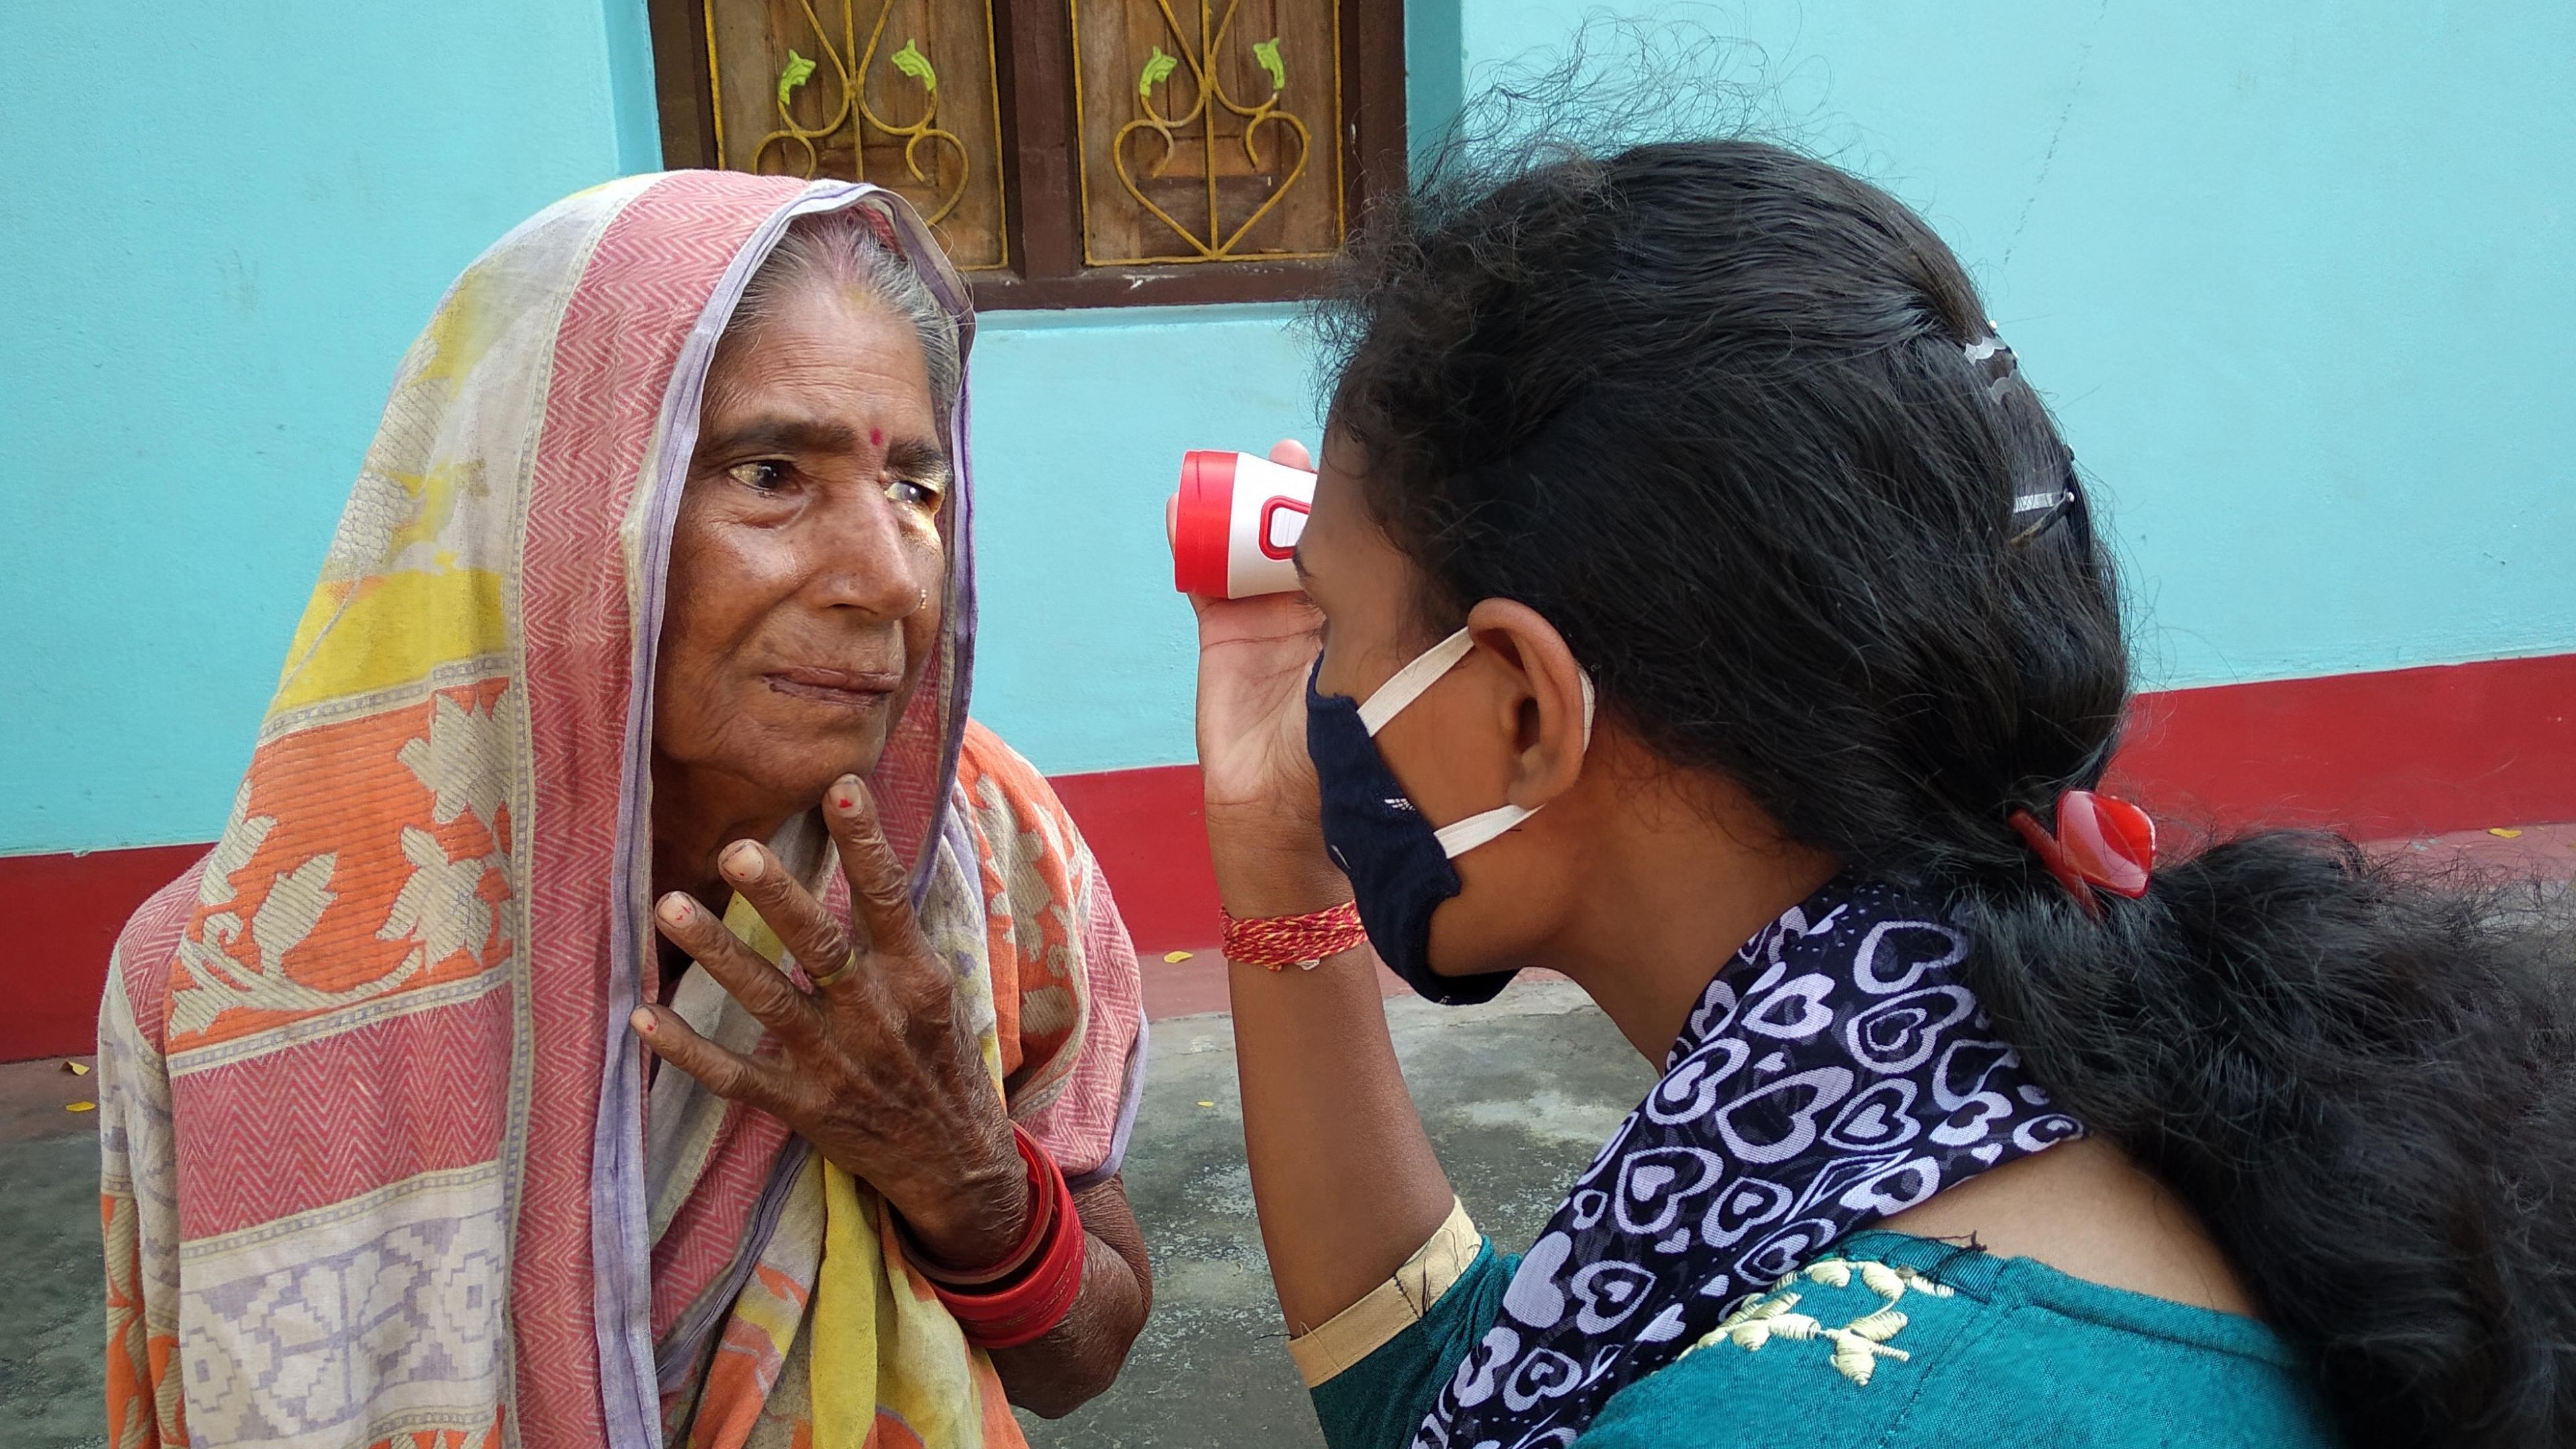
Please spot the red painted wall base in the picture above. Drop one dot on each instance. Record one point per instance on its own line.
(2407, 752)
(1147, 830)
(2400, 753)
(64, 912)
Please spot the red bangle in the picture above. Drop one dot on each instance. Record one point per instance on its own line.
(1277, 942)
(1041, 1212)
(1033, 1288)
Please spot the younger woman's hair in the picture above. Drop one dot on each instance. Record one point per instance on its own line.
(841, 251)
(1725, 415)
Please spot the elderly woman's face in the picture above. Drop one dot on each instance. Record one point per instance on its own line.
(806, 564)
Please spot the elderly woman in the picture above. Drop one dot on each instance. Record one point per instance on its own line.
(630, 713)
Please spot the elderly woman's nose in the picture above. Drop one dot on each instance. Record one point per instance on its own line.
(868, 555)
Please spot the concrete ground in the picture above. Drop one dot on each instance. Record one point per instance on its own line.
(1517, 1094)
(53, 1330)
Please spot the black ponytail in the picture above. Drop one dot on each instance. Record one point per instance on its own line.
(1721, 413)
(2362, 1085)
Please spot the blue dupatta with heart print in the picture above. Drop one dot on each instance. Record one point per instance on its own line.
(1835, 1072)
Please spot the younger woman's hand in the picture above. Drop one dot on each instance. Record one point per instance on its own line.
(1264, 830)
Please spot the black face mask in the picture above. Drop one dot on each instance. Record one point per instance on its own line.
(1398, 864)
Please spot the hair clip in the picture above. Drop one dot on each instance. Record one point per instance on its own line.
(2049, 506)
(2100, 840)
(1990, 356)
(1996, 363)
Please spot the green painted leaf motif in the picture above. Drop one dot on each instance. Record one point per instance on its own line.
(798, 71)
(1157, 67)
(913, 63)
(1267, 52)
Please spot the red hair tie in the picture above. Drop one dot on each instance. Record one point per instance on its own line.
(2100, 841)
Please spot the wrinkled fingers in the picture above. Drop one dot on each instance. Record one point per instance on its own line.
(763, 989)
(814, 940)
(761, 1084)
(880, 888)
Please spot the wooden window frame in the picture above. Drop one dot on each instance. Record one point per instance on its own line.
(1042, 222)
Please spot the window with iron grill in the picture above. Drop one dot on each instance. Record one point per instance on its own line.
(1070, 153)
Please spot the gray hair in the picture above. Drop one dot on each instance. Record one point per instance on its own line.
(840, 250)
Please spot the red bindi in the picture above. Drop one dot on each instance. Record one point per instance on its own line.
(876, 437)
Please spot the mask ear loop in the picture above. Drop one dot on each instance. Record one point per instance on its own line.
(1406, 684)
(1460, 836)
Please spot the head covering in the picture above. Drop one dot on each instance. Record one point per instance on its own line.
(376, 1131)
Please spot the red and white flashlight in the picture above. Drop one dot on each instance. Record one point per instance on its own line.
(1234, 524)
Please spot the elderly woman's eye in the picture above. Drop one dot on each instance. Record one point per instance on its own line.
(767, 475)
(919, 495)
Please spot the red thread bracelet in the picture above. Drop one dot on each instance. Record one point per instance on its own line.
(1034, 1286)
(1277, 942)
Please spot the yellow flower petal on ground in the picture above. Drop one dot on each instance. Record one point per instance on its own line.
(1175, 957)
(2502, 833)
(77, 1069)
(81, 1107)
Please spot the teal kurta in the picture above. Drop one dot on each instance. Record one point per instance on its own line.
(1893, 1342)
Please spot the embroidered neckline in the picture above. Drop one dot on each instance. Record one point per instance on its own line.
(1858, 1345)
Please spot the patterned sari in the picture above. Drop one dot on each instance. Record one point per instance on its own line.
(381, 1164)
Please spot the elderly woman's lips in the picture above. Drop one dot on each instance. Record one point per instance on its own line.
(835, 686)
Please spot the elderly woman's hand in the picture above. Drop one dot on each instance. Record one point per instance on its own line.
(881, 1071)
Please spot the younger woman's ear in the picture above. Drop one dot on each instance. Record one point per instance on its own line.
(1545, 698)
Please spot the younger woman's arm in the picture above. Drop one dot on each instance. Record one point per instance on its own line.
(1345, 1181)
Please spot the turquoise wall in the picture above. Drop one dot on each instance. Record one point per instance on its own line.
(2298, 278)
(220, 227)
(1087, 660)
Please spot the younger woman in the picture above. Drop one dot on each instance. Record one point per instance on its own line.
(1704, 606)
